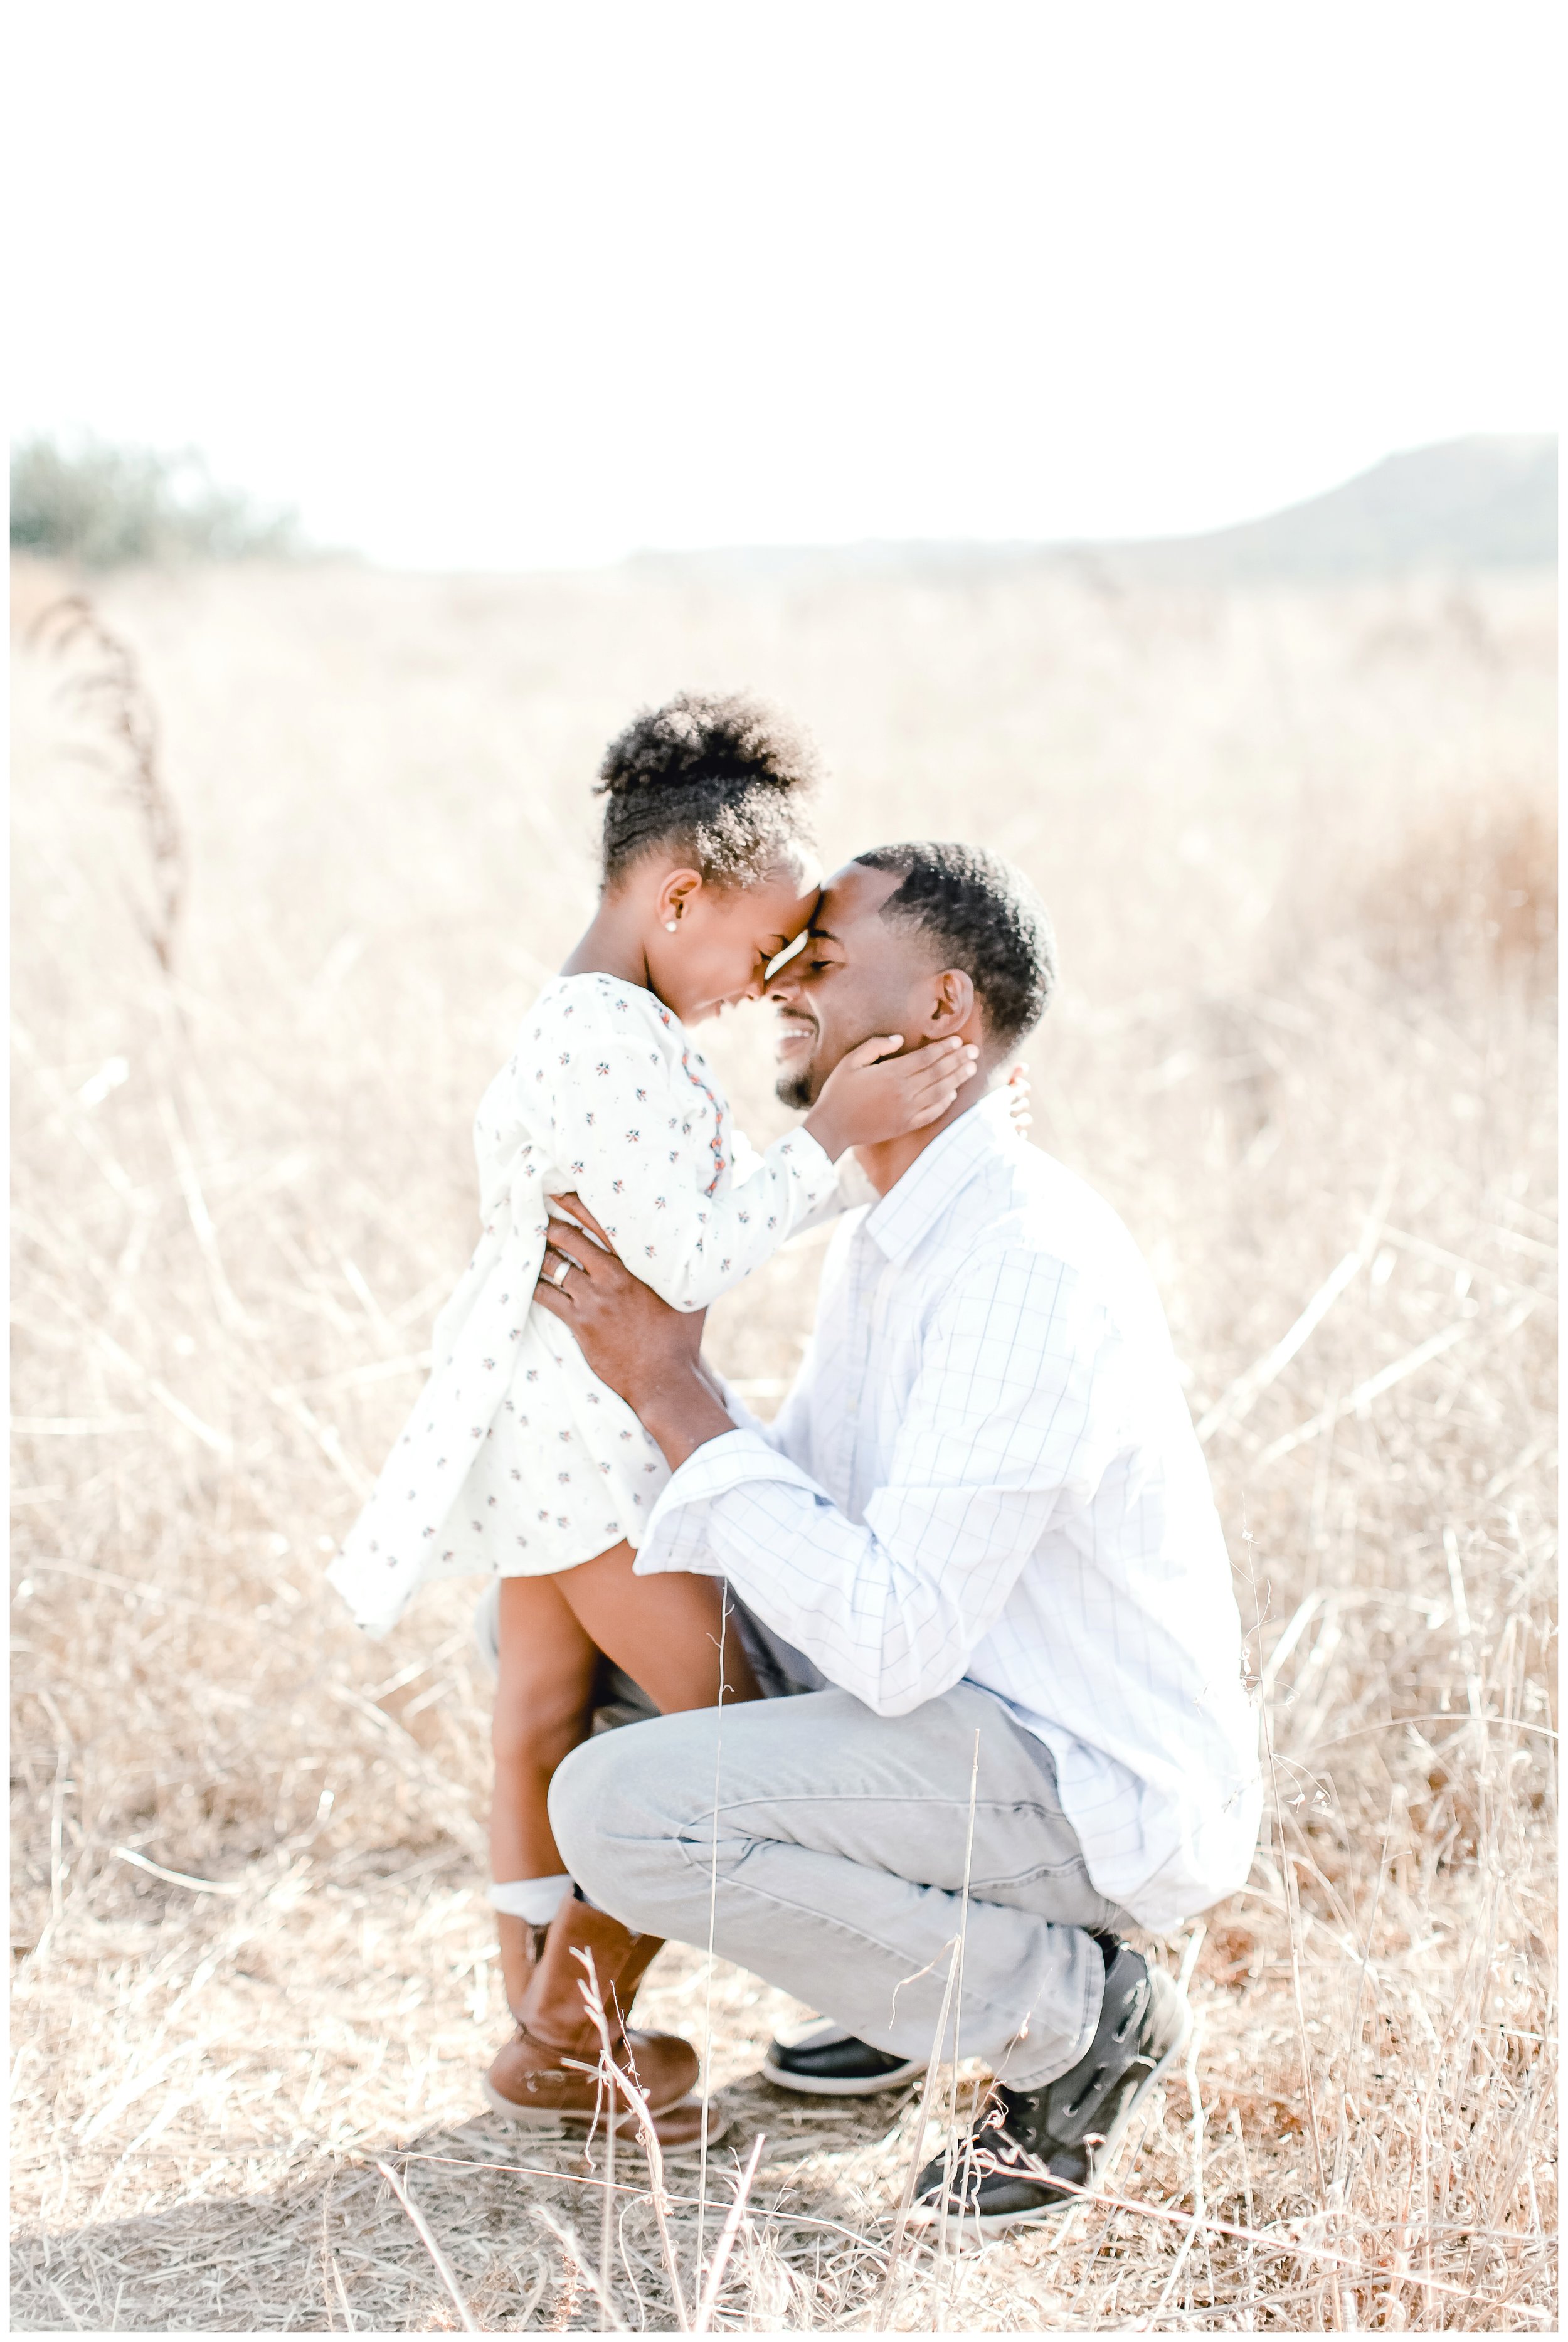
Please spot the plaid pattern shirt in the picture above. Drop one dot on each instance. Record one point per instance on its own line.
(986, 1470)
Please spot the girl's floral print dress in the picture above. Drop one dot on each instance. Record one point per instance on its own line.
(517, 1461)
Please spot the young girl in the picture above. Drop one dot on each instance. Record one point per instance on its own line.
(517, 1461)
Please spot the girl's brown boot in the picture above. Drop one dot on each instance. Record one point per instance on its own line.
(521, 1944)
(546, 2077)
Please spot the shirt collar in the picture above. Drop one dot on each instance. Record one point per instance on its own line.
(910, 1209)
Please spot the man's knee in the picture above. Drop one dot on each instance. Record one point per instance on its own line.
(619, 1807)
(585, 1801)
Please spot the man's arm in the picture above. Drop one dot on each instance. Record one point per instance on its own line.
(1007, 1419)
(644, 1350)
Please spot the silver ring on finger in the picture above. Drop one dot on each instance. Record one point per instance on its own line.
(563, 1272)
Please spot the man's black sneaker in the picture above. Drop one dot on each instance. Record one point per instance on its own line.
(826, 2062)
(1001, 2173)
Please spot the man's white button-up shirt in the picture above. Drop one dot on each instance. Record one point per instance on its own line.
(986, 1470)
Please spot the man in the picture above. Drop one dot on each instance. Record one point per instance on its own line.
(980, 1544)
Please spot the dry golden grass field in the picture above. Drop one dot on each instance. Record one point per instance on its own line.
(1301, 853)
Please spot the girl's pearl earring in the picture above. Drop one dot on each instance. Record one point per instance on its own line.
(670, 925)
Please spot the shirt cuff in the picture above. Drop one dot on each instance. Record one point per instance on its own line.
(672, 1539)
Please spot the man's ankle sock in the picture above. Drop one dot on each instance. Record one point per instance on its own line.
(533, 1900)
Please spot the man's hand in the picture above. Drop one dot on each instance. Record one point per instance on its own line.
(871, 1096)
(646, 1351)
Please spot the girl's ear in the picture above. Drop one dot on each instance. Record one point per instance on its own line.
(677, 895)
(953, 1002)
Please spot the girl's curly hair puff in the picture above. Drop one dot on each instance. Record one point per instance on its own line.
(722, 777)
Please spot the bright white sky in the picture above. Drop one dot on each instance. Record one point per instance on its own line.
(503, 285)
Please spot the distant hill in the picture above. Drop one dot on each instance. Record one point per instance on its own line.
(1466, 503)
(1480, 504)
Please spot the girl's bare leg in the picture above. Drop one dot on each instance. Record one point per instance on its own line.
(665, 1632)
(544, 1696)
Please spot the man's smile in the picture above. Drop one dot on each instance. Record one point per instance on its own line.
(797, 1032)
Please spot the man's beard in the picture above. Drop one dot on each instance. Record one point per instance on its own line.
(800, 1086)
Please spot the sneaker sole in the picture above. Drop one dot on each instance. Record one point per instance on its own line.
(999, 2222)
(812, 2086)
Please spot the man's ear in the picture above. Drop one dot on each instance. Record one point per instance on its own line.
(951, 1004)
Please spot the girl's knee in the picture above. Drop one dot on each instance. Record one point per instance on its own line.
(539, 1728)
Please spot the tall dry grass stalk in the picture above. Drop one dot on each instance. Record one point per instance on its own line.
(1303, 1044)
(101, 681)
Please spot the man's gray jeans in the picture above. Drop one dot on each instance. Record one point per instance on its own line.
(828, 1844)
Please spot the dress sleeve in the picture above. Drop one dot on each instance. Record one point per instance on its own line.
(648, 1147)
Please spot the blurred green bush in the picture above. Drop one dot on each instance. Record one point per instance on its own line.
(106, 506)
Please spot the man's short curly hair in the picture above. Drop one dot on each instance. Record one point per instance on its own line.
(722, 779)
(981, 915)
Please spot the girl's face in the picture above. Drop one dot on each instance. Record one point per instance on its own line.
(723, 939)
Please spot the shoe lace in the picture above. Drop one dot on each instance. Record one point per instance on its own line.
(1013, 2157)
